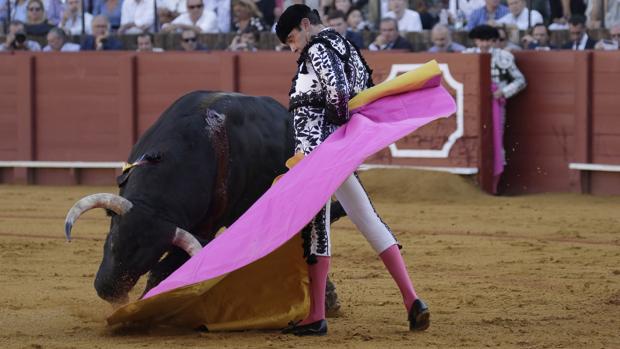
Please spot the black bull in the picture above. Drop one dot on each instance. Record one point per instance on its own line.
(207, 159)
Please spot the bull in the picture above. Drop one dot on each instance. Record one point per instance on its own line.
(197, 169)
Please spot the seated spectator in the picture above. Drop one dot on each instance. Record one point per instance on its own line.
(519, 14)
(145, 43)
(504, 42)
(336, 20)
(196, 17)
(442, 40)
(356, 21)
(57, 42)
(37, 21)
(613, 43)
(247, 40)
(71, 20)
(189, 41)
(389, 38)
(538, 39)
(101, 40)
(246, 14)
(137, 16)
(112, 10)
(16, 39)
(408, 20)
(488, 14)
(579, 39)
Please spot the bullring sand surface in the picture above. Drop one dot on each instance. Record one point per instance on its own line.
(536, 271)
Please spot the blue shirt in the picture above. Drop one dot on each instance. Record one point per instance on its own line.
(479, 16)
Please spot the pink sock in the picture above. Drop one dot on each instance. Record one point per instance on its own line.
(318, 279)
(395, 264)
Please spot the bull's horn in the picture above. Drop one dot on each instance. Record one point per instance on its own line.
(186, 241)
(116, 203)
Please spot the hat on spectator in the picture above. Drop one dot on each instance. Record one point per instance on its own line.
(291, 18)
(484, 32)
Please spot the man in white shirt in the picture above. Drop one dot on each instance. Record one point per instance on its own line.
(71, 20)
(137, 16)
(197, 18)
(519, 14)
(57, 42)
(408, 20)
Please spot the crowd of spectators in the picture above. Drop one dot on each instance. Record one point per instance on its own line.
(384, 23)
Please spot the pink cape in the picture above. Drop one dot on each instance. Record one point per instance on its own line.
(292, 201)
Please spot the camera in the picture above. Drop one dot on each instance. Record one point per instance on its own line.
(18, 42)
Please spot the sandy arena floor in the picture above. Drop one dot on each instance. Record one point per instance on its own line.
(530, 272)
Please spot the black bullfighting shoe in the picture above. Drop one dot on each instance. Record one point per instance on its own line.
(318, 328)
(419, 316)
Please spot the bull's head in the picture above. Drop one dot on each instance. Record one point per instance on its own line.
(133, 246)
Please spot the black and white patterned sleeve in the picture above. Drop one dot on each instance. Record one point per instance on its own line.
(330, 71)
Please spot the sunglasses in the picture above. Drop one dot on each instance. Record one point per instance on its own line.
(615, 35)
(191, 7)
(34, 9)
(189, 39)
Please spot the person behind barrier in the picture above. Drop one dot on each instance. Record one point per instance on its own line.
(37, 23)
(318, 110)
(506, 78)
(487, 14)
(71, 20)
(16, 39)
(197, 18)
(389, 37)
(145, 41)
(189, 41)
(611, 44)
(408, 20)
(538, 39)
(101, 40)
(579, 39)
(336, 19)
(137, 16)
(518, 16)
(57, 42)
(442, 40)
(111, 9)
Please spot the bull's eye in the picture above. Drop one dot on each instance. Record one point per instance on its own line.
(110, 213)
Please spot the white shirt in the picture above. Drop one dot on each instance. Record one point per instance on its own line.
(140, 13)
(582, 43)
(410, 22)
(521, 20)
(67, 47)
(467, 6)
(221, 8)
(207, 22)
(74, 25)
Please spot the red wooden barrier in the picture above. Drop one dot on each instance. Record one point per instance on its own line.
(93, 106)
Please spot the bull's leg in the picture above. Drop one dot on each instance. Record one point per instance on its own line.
(165, 267)
(332, 305)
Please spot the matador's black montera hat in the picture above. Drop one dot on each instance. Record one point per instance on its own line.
(484, 32)
(290, 19)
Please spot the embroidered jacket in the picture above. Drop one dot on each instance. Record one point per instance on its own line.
(330, 72)
(504, 71)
